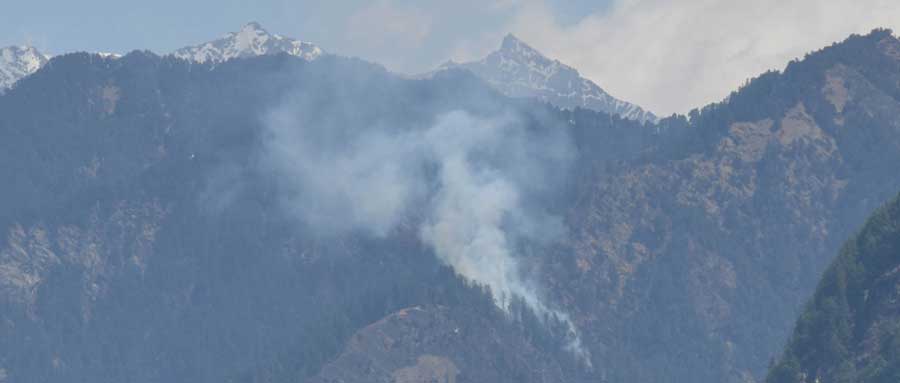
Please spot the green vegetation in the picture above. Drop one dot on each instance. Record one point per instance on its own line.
(850, 331)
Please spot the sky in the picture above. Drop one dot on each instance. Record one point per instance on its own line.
(668, 56)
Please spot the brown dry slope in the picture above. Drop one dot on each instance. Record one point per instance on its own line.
(692, 267)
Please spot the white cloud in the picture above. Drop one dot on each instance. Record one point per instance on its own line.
(671, 56)
(387, 25)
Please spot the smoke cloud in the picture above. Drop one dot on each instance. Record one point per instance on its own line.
(471, 184)
(341, 180)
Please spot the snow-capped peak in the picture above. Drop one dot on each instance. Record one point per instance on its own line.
(512, 44)
(109, 55)
(251, 40)
(17, 62)
(518, 70)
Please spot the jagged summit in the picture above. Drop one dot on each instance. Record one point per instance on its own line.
(518, 70)
(512, 44)
(17, 62)
(253, 25)
(251, 40)
(510, 41)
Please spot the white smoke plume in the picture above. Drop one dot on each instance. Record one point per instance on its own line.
(476, 179)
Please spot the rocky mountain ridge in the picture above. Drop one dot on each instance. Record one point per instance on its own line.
(251, 40)
(17, 62)
(518, 70)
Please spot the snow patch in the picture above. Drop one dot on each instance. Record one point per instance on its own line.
(250, 41)
(17, 62)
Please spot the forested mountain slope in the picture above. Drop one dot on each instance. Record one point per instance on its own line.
(693, 264)
(850, 330)
(146, 236)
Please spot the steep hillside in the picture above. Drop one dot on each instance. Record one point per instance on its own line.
(850, 330)
(692, 264)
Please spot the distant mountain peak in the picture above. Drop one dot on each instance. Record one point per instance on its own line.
(253, 25)
(511, 43)
(250, 32)
(251, 40)
(17, 62)
(519, 70)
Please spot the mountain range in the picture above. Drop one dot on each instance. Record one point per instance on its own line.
(166, 219)
(516, 69)
(252, 40)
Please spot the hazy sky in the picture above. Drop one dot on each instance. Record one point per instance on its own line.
(666, 55)
(405, 35)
